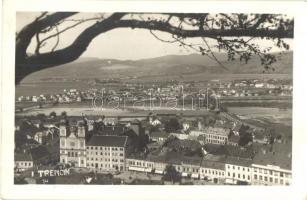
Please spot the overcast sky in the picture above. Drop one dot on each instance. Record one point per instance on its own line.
(120, 43)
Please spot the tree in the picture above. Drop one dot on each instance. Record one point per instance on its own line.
(232, 33)
(52, 114)
(64, 114)
(245, 135)
(41, 116)
(172, 125)
(171, 174)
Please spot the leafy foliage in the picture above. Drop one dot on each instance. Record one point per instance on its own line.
(171, 174)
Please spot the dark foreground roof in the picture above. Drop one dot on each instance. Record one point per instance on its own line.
(23, 157)
(107, 140)
(39, 153)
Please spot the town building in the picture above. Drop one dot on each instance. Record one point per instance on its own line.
(238, 170)
(212, 170)
(272, 165)
(215, 135)
(106, 153)
(23, 161)
(72, 144)
(159, 136)
(141, 165)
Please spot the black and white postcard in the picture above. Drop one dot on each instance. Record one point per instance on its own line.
(188, 100)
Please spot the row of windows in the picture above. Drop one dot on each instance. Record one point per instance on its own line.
(137, 163)
(106, 154)
(271, 172)
(106, 160)
(239, 176)
(215, 141)
(238, 168)
(97, 165)
(26, 164)
(216, 137)
(187, 169)
(213, 172)
(269, 179)
(106, 148)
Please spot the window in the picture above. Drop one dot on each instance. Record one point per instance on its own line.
(265, 178)
(255, 176)
(82, 161)
(281, 181)
(26, 163)
(260, 177)
(275, 180)
(72, 144)
(281, 174)
(271, 179)
(271, 172)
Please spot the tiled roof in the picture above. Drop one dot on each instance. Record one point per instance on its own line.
(107, 140)
(213, 164)
(238, 161)
(277, 155)
(23, 157)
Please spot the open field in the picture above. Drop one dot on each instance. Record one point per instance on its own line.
(263, 114)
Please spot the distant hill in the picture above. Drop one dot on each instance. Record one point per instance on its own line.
(164, 68)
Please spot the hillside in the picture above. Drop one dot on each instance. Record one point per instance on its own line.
(163, 68)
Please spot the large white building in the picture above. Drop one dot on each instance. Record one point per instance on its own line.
(238, 170)
(272, 165)
(72, 144)
(106, 153)
(214, 135)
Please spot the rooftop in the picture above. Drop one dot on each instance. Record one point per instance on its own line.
(238, 161)
(107, 140)
(23, 157)
(278, 154)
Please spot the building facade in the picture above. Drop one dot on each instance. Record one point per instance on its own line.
(215, 135)
(106, 153)
(72, 144)
(238, 170)
(270, 175)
